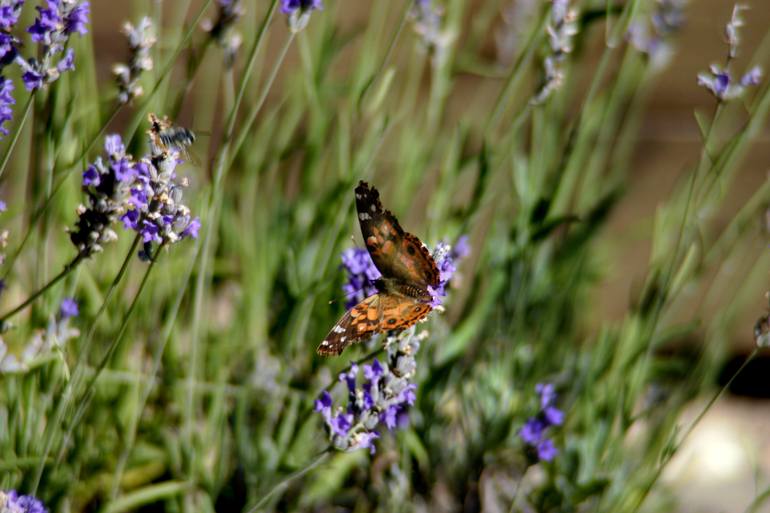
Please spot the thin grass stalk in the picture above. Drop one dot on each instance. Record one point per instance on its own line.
(90, 388)
(284, 483)
(151, 380)
(215, 198)
(68, 268)
(77, 371)
(16, 134)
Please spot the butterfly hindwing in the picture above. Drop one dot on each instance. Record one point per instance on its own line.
(396, 253)
(361, 321)
(399, 312)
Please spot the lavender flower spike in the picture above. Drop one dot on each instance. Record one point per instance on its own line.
(6, 101)
(298, 12)
(720, 81)
(561, 30)
(12, 502)
(533, 433)
(141, 39)
(53, 26)
(383, 397)
(223, 29)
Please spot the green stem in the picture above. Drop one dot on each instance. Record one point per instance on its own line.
(151, 379)
(17, 133)
(142, 109)
(252, 114)
(670, 454)
(91, 385)
(281, 486)
(253, 52)
(215, 199)
(77, 370)
(67, 269)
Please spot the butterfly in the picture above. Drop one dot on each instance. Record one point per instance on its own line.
(403, 292)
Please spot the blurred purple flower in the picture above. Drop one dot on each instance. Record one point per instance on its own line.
(69, 308)
(6, 101)
(533, 432)
(12, 502)
(289, 6)
(56, 21)
(361, 276)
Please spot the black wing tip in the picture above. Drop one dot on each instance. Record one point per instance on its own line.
(327, 349)
(366, 190)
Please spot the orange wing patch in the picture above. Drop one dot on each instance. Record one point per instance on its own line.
(401, 312)
(359, 322)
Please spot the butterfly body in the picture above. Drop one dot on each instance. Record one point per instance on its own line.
(403, 292)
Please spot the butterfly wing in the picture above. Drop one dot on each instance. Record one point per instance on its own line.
(361, 321)
(399, 312)
(396, 253)
(375, 314)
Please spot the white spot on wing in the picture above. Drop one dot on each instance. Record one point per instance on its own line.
(342, 339)
(363, 216)
(373, 208)
(324, 343)
(338, 329)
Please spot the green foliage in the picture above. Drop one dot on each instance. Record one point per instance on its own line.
(191, 385)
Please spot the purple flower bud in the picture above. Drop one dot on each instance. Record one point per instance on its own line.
(546, 450)
(752, 77)
(69, 308)
(532, 431)
(191, 230)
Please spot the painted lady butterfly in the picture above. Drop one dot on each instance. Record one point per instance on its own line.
(407, 269)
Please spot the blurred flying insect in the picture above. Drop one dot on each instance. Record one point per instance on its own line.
(169, 137)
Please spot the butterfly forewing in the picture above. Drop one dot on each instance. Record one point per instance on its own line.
(361, 321)
(396, 253)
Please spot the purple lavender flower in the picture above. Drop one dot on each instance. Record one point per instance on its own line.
(290, 6)
(446, 257)
(69, 308)
(298, 12)
(6, 100)
(533, 432)
(382, 397)
(9, 14)
(9, 17)
(652, 36)
(141, 39)
(47, 21)
(719, 81)
(561, 30)
(56, 21)
(362, 274)
(144, 195)
(76, 20)
(223, 29)
(12, 502)
(192, 228)
(546, 451)
(32, 80)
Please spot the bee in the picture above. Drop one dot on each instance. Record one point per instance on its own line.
(167, 136)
